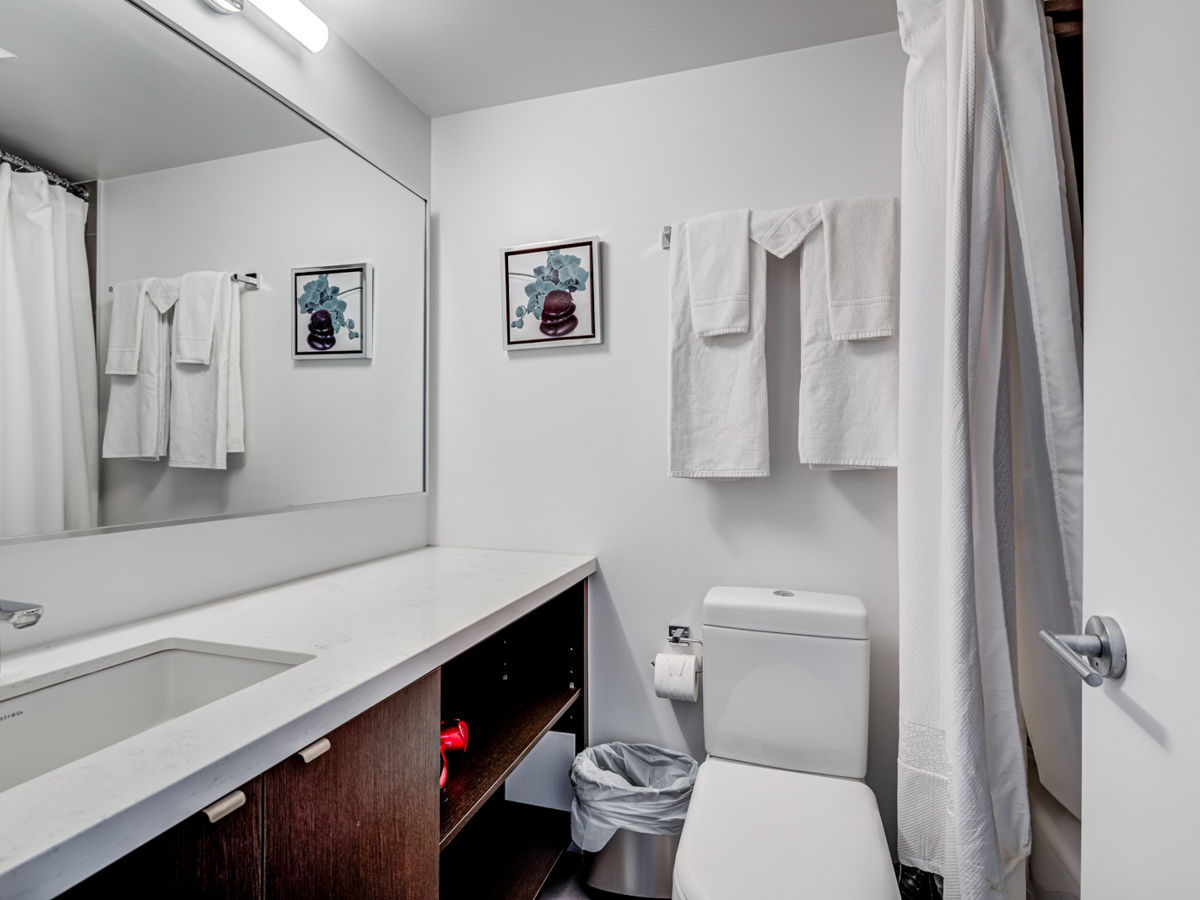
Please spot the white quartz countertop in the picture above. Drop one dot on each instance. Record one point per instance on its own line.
(371, 629)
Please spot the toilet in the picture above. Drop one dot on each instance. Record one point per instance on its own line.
(780, 809)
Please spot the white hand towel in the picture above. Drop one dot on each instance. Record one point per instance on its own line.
(862, 248)
(137, 423)
(718, 265)
(195, 319)
(125, 332)
(849, 389)
(206, 388)
(717, 395)
(780, 231)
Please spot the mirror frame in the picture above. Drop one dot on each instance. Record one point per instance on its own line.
(178, 31)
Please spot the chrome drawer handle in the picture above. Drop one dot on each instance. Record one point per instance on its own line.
(224, 806)
(1102, 642)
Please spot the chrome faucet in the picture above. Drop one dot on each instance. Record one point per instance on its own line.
(20, 615)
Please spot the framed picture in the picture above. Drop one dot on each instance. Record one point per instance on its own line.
(332, 312)
(552, 294)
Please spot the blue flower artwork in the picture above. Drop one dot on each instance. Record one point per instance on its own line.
(330, 312)
(551, 294)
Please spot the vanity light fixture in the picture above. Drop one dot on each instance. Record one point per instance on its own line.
(224, 7)
(291, 15)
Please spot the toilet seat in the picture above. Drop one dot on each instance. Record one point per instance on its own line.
(757, 832)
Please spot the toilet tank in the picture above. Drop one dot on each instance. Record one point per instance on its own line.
(785, 679)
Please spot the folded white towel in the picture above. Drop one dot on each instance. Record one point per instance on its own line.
(196, 316)
(206, 376)
(717, 395)
(139, 353)
(849, 353)
(125, 330)
(849, 389)
(718, 266)
(780, 231)
(862, 253)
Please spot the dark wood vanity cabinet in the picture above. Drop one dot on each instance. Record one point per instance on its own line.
(360, 820)
(365, 819)
(195, 860)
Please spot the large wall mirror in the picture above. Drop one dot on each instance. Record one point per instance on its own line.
(234, 318)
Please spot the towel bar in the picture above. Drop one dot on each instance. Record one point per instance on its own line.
(249, 279)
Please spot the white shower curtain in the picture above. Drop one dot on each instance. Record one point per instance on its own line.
(978, 142)
(49, 448)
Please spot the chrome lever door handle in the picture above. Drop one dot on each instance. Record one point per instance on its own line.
(1102, 642)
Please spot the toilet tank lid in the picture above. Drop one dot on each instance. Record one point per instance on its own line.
(784, 611)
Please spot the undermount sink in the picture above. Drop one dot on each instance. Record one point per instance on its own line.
(54, 719)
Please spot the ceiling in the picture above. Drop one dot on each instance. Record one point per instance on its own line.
(448, 56)
(99, 89)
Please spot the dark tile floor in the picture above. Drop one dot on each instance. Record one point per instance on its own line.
(566, 882)
(917, 885)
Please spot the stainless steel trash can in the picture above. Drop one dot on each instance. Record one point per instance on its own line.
(636, 865)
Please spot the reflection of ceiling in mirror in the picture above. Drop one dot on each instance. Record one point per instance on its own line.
(100, 89)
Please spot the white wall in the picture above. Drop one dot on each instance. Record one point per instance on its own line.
(94, 581)
(316, 430)
(1141, 740)
(565, 449)
(337, 88)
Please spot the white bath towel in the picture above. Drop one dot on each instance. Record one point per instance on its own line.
(717, 394)
(206, 374)
(848, 388)
(139, 355)
(849, 383)
(862, 260)
(718, 267)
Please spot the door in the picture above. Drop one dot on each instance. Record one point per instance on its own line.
(1141, 736)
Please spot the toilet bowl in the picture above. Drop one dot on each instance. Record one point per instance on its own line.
(780, 808)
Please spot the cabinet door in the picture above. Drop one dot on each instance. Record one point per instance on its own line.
(195, 860)
(361, 820)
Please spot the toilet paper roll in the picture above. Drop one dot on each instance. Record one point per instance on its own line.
(677, 677)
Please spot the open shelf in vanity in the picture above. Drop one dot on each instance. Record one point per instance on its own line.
(511, 690)
(493, 754)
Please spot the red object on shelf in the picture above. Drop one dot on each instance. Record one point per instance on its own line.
(453, 738)
(454, 735)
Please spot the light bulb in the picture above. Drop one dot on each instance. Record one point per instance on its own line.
(297, 20)
(224, 7)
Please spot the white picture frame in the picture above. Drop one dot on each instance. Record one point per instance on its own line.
(329, 332)
(552, 316)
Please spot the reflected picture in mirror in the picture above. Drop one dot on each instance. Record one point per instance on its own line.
(166, 168)
(332, 316)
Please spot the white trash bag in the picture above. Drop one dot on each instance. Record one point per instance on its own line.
(636, 786)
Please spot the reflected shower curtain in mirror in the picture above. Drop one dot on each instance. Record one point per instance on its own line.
(989, 377)
(49, 446)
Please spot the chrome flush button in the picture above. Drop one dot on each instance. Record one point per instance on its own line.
(784, 594)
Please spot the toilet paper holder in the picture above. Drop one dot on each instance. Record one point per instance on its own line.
(680, 634)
